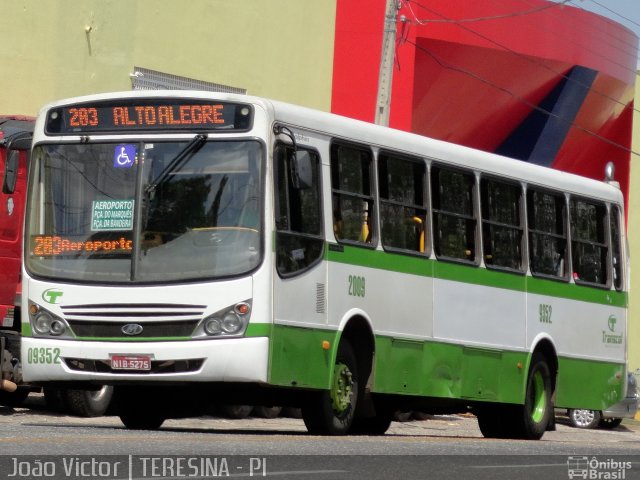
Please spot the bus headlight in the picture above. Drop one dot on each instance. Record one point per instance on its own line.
(231, 321)
(45, 323)
(212, 326)
(42, 323)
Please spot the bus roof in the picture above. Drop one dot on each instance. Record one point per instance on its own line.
(386, 138)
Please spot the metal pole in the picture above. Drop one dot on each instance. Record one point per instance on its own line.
(385, 78)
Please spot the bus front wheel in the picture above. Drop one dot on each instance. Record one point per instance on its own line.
(135, 419)
(138, 409)
(331, 412)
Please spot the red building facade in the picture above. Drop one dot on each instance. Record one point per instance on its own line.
(535, 80)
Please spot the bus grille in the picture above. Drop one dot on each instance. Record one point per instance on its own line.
(157, 366)
(155, 320)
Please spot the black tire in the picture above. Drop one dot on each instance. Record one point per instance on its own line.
(495, 421)
(537, 410)
(528, 421)
(141, 408)
(609, 423)
(402, 416)
(331, 412)
(267, 412)
(55, 399)
(14, 399)
(89, 402)
(422, 416)
(237, 411)
(584, 418)
(291, 412)
(377, 425)
(141, 420)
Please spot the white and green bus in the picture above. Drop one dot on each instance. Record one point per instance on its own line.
(194, 248)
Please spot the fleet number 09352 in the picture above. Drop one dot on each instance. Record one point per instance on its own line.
(43, 355)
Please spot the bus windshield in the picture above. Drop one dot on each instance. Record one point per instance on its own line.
(145, 212)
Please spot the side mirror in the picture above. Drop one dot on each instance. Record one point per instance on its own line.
(21, 143)
(11, 171)
(302, 170)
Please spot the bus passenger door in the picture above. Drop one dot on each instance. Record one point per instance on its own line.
(297, 356)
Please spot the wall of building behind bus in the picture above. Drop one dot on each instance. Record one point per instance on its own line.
(538, 81)
(281, 49)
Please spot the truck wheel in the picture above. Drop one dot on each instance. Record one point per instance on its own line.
(14, 399)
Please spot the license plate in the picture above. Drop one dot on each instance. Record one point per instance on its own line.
(130, 362)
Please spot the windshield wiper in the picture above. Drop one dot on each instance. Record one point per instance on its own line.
(183, 155)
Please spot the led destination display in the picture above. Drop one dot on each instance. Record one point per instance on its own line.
(148, 115)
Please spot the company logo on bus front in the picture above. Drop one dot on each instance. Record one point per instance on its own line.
(132, 329)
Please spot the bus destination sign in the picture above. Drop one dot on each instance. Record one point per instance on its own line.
(148, 115)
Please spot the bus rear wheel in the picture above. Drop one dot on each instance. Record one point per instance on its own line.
(528, 421)
(538, 407)
(331, 412)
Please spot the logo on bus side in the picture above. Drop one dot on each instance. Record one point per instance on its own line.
(612, 338)
(52, 295)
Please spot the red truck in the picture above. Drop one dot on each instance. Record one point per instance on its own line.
(15, 142)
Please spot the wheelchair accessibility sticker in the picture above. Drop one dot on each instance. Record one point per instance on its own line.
(124, 155)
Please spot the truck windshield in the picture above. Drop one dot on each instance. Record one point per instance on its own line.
(98, 213)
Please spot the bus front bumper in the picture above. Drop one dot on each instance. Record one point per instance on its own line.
(220, 360)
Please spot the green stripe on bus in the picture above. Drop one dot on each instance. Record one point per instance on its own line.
(574, 374)
(434, 369)
(442, 370)
(258, 330)
(425, 267)
(26, 330)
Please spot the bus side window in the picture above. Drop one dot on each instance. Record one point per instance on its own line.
(299, 235)
(454, 222)
(616, 249)
(352, 194)
(547, 233)
(502, 230)
(588, 242)
(403, 211)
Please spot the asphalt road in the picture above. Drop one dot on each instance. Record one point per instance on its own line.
(210, 447)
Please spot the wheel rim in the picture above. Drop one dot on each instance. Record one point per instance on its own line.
(342, 388)
(98, 395)
(583, 418)
(538, 397)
